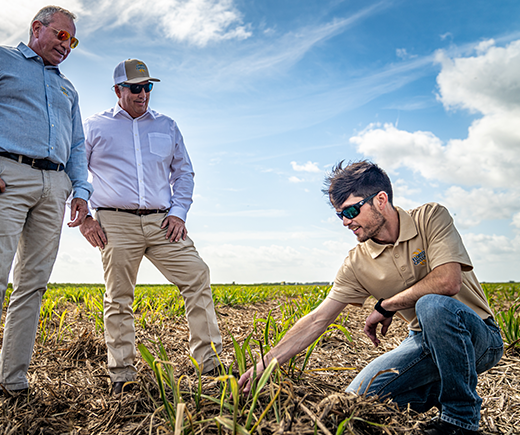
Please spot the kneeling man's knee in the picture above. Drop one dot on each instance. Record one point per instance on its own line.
(428, 306)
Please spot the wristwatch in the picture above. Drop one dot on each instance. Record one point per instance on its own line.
(381, 310)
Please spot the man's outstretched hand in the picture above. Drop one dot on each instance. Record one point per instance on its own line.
(371, 323)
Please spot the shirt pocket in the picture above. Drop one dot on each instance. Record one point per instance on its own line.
(160, 144)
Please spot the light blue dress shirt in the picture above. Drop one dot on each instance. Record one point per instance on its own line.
(39, 114)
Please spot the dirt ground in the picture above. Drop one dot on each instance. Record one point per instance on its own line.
(70, 389)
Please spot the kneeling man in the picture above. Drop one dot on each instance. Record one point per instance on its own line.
(415, 265)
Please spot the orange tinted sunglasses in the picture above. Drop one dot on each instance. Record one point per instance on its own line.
(63, 35)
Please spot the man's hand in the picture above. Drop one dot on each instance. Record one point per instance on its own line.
(176, 228)
(93, 232)
(245, 381)
(371, 326)
(78, 212)
(2, 186)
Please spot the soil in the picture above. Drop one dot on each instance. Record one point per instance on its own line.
(70, 389)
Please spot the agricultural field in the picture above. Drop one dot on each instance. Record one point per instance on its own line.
(70, 388)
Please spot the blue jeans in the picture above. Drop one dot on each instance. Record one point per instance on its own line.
(438, 366)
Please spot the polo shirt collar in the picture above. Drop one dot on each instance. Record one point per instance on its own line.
(407, 231)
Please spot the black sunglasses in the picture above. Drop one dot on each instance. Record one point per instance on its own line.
(136, 89)
(353, 210)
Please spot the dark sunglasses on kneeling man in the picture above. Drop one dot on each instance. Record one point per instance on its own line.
(353, 210)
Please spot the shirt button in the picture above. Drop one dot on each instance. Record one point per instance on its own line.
(396, 255)
(403, 268)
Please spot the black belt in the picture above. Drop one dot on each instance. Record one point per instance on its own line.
(137, 211)
(44, 164)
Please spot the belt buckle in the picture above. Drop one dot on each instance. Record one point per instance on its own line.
(33, 161)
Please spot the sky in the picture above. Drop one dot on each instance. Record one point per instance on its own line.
(270, 95)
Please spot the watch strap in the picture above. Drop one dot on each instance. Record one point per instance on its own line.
(381, 310)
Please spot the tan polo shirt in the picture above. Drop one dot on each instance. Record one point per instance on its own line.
(427, 239)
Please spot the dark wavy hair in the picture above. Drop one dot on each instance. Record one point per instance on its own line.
(362, 178)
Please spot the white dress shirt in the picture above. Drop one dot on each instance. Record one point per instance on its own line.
(139, 163)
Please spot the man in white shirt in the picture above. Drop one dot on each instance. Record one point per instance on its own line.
(143, 186)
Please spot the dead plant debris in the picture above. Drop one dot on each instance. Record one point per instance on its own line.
(70, 389)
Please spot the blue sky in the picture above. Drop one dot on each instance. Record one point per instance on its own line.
(269, 95)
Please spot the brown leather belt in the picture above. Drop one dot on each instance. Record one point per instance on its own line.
(44, 164)
(137, 211)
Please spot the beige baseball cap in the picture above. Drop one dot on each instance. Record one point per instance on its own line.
(132, 71)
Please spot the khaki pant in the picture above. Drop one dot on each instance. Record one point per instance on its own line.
(31, 217)
(130, 237)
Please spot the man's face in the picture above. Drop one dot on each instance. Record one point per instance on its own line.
(134, 104)
(46, 44)
(367, 224)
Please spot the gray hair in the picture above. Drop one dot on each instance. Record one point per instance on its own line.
(45, 15)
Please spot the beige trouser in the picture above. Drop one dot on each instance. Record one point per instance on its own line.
(130, 237)
(31, 217)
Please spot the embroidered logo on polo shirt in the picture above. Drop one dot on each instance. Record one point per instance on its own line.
(64, 91)
(419, 257)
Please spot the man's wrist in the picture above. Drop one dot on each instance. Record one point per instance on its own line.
(381, 310)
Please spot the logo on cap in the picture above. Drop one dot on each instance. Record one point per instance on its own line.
(141, 67)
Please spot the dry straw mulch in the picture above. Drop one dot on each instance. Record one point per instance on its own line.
(70, 390)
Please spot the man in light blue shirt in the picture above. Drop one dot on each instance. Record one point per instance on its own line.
(42, 160)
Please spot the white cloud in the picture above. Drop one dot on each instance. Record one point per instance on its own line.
(283, 50)
(393, 148)
(495, 257)
(294, 179)
(403, 53)
(475, 204)
(272, 213)
(487, 83)
(197, 22)
(307, 167)
(492, 248)
(487, 160)
(516, 220)
(271, 263)
(402, 193)
(490, 154)
(17, 16)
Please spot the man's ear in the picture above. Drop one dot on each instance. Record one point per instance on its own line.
(36, 26)
(117, 91)
(380, 200)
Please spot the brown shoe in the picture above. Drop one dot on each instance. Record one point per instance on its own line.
(122, 387)
(13, 393)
